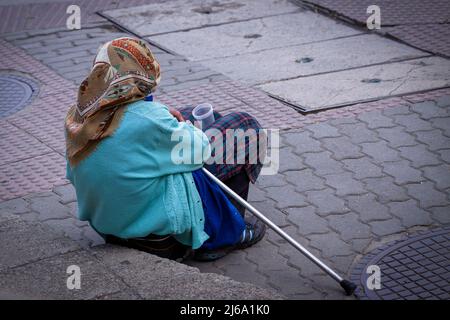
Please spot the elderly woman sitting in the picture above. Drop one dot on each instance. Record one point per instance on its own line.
(120, 160)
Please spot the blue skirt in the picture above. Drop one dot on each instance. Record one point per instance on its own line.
(223, 222)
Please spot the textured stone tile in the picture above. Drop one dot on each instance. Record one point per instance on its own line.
(429, 109)
(349, 226)
(402, 172)
(397, 137)
(307, 221)
(302, 142)
(419, 156)
(410, 214)
(286, 197)
(342, 148)
(438, 174)
(386, 189)
(427, 195)
(345, 184)
(322, 163)
(326, 202)
(434, 139)
(368, 208)
(387, 227)
(441, 214)
(305, 180)
(331, 245)
(412, 122)
(362, 168)
(380, 151)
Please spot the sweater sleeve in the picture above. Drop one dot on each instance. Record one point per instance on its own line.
(172, 146)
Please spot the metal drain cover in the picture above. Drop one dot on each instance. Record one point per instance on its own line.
(417, 267)
(15, 92)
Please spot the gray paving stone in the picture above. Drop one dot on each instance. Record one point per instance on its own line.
(256, 194)
(66, 192)
(435, 140)
(445, 155)
(397, 137)
(401, 109)
(302, 142)
(410, 214)
(342, 148)
(349, 227)
(14, 206)
(299, 261)
(92, 237)
(68, 227)
(362, 168)
(429, 109)
(441, 214)
(307, 221)
(157, 278)
(247, 273)
(386, 189)
(323, 130)
(438, 174)
(427, 195)
(375, 119)
(360, 245)
(443, 101)
(265, 255)
(326, 202)
(412, 122)
(273, 211)
(322, 163)
(386, 227)
(331, 245)
(305, 180)
(443, 124)
(289, 161)
(47, 279)
(277, 180)
(289, 280)
(286, 196)
(419, 156)
(49, 208)
(358, 133)
(380, 151)
(368, 208)
(24, 242)
(345, 184)
(402, 172)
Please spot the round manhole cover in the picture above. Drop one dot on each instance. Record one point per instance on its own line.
(15, 93)
(417, 267)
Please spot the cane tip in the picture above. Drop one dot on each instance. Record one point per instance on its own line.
(348, 286)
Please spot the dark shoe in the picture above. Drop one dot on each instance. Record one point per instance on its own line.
(253, 233)
(162, 246)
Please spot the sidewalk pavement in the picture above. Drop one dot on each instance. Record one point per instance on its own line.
(351, 179)
(35, 259)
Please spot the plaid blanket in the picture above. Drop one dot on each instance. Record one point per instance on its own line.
(234, 120)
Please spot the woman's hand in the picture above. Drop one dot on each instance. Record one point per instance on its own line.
(176, 114)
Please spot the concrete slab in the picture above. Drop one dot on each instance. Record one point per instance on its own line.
(23, 242)
(253, 35)
(309, 59)
(363, 84)
(183, 15)
(158, 278)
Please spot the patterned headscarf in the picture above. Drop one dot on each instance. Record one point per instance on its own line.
(124, 71)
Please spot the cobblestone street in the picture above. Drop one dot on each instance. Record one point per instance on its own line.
(352, 180)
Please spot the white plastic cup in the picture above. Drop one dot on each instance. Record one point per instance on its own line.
(204, 114)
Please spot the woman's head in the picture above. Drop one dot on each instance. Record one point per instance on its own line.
(124, 71)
